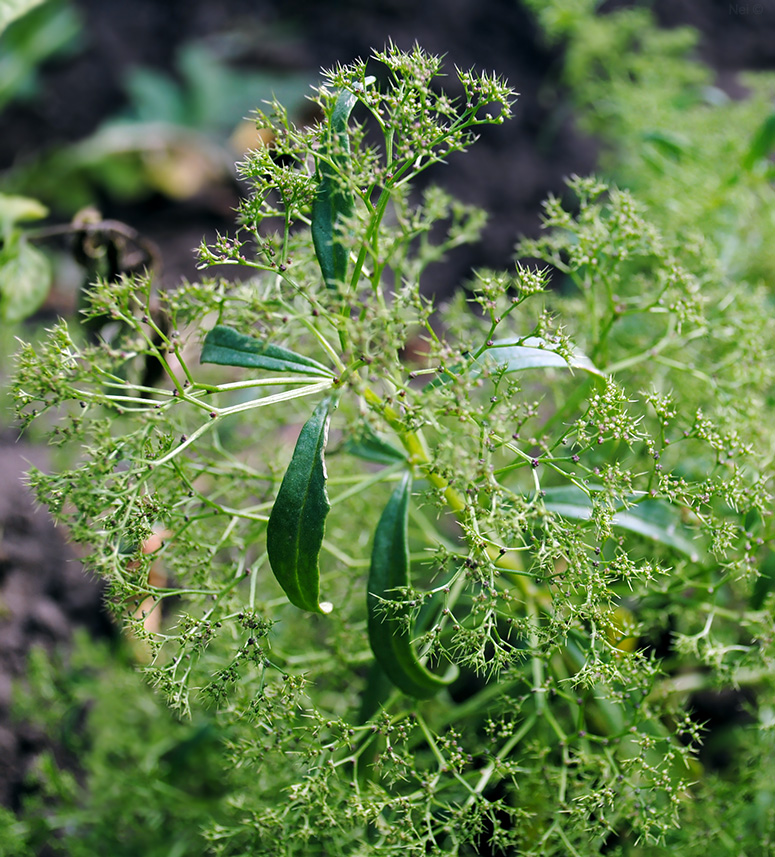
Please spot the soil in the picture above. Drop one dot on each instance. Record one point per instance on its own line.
(44, 592)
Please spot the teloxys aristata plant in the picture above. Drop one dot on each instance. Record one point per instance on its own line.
(422, 594)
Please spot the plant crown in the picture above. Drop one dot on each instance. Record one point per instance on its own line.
(419, 561)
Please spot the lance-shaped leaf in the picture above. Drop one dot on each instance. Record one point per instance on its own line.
(516, 356)
(333, 199)
(671, 145)
(389, 631)
(654, 519)
(298, 518)
(370, 447)
(531, 353)
(762, 144)
(228, 347)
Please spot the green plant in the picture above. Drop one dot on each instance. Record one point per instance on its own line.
(31, 32)
(455, 652)
(25, 273)
(170, 771)
(699, 158)
(172, 137)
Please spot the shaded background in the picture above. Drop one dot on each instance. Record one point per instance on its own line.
(136, 109)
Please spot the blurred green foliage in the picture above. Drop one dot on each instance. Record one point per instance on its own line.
(138, 781)
(42, 31)
(172, 136)
(697, 157)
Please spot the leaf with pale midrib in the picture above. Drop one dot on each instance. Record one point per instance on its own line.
(227, 347)
(297, 522)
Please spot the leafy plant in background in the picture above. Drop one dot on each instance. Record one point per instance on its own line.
(174, 138)
(433, 628)
(42, 31)
(25, 273)
(702, 162)
(170, 138)
(171, 770)
(663, 123)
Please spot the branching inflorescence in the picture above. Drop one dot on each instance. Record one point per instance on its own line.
(495, 521)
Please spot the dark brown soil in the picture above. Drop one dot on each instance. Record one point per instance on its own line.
(44, 593)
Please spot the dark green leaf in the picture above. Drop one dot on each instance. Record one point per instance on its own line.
(389, 634)
(376, 692)
(765, 583)
(368, 446)
(333, 199)
(227, 347)
(298, 518)
(763, 143)
(673, 146)
(653, 519)
(25, 280)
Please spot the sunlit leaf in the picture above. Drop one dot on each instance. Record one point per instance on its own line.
(25, 280)
(516, 356)
(653, 519)
(14, 209)
(10, 10)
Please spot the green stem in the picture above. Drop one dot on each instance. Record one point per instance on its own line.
(489, 770)
(217, 414)
(374, 223)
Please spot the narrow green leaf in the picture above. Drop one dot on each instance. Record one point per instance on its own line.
(765, 582)
(227, 347)
(654, 519)
(516, 356)
(671, 145)
(25, 280)
(368, 446)
(763, 143)
(389, 635)
(333, 200)
(298, 518)
(531, 353)
(376, 692)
